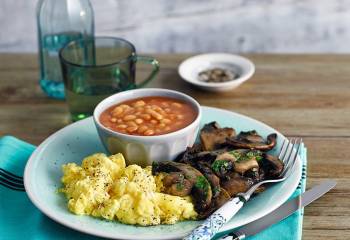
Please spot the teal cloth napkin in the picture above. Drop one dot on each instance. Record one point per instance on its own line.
(20, 219)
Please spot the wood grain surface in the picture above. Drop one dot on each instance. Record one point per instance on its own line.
(300, 95)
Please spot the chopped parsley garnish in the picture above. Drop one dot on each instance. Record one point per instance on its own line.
(202, 183)
(236, 154)
(240, 156)
(219, 164)
(216, 190)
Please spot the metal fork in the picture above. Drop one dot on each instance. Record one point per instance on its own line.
(288, 154)
(11, 180)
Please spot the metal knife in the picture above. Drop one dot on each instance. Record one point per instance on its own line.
(281, 212)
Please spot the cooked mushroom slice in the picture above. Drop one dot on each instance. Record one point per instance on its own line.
(223, 163)
(244, 160)
(260, 189)
(188, 153)
(216, 203)
(212, 135)
(271, 166)
(201, 161)
(192, 159)
(244, 165)
(222, 198)
(251, 140)
(227, 156)
(201, 190)
(201, 193)
(222, 167)
(253, 174)
(250, 136)
(176, 184)
(214, 180)
(236, 184)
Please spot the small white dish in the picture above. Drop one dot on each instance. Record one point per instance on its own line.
(191, 67)
(143, 150)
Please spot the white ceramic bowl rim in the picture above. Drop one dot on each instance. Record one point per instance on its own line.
(106, 103)
(243, 77)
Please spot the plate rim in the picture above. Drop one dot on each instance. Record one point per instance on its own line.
(95, 232)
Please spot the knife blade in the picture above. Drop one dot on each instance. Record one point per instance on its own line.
(281, 212)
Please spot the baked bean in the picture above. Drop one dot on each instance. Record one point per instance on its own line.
(124, 106)
(165, 104)
(162, 112)
(131, 124)
(149, 132)
(139, 104)
(117, 111)
(176, 104)
(128, 111)
(156, 108)
(129, 117)
(142, 129)
(166, 121)
(154, 114)
(172, 116)
(132, 129)
(138, 120)
(148, 116)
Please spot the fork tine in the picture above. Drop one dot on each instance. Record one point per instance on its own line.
(10, 186)
(291, 162)
(287, 157)
(283, 155)
(281, 151)
(10, 174)
(8, 182)
(10, 177)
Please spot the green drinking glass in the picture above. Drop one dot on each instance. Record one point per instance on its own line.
(95, 68)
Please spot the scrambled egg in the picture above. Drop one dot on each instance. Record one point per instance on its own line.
(105, 187)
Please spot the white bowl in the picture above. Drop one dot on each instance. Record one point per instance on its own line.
(143, 150)
(191, 67)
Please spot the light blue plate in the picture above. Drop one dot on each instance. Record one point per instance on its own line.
(76, 141)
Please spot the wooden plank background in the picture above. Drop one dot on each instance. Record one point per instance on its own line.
(300, 95)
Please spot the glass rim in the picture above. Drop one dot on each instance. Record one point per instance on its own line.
(126, 59)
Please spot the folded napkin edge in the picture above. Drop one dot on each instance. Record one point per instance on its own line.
(8, 139)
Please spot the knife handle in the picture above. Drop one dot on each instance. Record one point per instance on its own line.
(212, 224)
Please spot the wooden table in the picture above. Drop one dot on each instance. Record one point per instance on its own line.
(300, 95)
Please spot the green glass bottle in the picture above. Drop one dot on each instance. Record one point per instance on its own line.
(59, 22)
